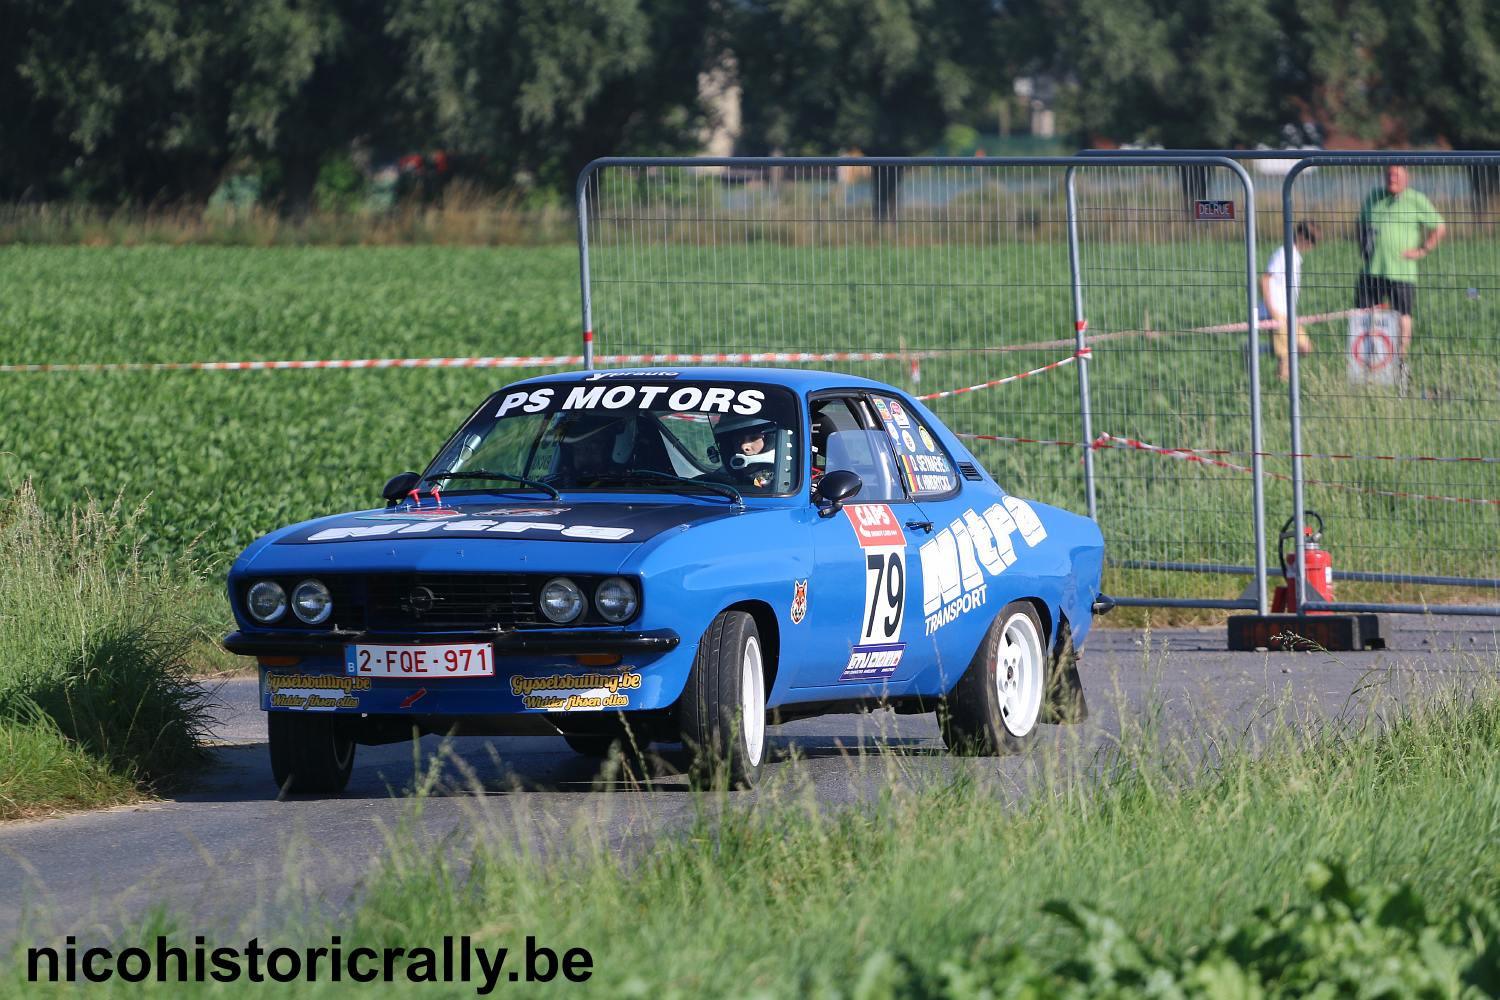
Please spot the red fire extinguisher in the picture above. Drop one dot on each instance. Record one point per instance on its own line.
(1319, 566)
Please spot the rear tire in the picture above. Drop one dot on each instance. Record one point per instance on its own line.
(310, 754)
(996, 706)
(722, 712)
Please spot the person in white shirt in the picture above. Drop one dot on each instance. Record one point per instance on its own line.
(1273, 290)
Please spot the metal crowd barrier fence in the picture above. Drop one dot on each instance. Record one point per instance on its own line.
(955, 271)
(1418, 375)
(1390, 423)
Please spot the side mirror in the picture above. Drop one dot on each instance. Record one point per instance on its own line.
(397, 487)
(833, 489)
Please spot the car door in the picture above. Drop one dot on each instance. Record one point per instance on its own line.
(977, 535)
(866, 585)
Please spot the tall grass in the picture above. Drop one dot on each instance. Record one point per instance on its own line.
(41, 770)
(1355, 857)
(937, 889)
(92, 647)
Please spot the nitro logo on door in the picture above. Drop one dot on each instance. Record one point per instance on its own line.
(958, 560)
(883, 545)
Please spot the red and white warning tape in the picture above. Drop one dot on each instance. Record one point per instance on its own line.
(1112, 441)
(1199, 455)
(1480, 459)
(1018, 440)
(573, 360)
(513, 361)
(1085, 352)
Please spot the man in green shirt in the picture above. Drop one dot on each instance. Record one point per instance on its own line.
(1397, 227)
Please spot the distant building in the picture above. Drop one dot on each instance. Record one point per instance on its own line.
(719, 90)
(1040, 94)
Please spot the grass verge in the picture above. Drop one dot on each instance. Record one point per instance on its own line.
(95, 698)
(1354, 858)
(1141, 871)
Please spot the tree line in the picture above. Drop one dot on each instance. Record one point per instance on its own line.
(145, 101)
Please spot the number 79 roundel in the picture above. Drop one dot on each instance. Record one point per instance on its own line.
(882, 543)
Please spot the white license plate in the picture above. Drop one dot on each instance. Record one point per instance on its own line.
(459, 659)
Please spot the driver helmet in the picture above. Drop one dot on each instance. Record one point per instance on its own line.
(745, 441)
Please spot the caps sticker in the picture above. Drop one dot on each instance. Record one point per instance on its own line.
(874, 524)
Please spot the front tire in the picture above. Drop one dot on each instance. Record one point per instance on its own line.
(631, 744)
(310, 754)
(996, 706)
(722, 712)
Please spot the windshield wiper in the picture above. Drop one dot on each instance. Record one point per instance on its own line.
(723, 489)
(535, 484)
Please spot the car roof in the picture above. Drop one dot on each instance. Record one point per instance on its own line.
(799, 380)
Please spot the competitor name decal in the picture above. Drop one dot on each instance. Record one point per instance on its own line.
(953, 582)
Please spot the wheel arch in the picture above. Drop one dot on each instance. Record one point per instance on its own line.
(1044, 613)
(770, 635)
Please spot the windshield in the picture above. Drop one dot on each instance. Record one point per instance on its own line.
(628, 435)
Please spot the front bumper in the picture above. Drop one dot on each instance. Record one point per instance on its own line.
(536, 671)
(538, 642)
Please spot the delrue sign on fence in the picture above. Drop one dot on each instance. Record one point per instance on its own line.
(1213, 211)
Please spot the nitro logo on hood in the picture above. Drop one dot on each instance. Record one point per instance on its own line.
(675, 398)
(471, 526)
(582, 522)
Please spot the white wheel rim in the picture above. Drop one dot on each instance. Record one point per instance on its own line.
(753, 701)
(1018, 674)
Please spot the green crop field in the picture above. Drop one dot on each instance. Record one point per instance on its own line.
(226, 456)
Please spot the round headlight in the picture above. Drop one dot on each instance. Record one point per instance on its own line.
(615, 598)
(266, 601)
(562, 601)
(312, 602)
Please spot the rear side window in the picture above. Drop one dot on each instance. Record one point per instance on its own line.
(929, 470)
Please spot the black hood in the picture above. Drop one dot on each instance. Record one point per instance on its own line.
(535, 521)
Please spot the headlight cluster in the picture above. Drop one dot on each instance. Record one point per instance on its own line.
(311, 602)
(615, 599)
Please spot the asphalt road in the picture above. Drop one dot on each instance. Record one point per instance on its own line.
(226, 856)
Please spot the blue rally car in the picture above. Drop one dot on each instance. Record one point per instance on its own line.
(628, 556)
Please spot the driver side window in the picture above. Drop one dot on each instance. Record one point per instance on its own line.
(841, 441)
